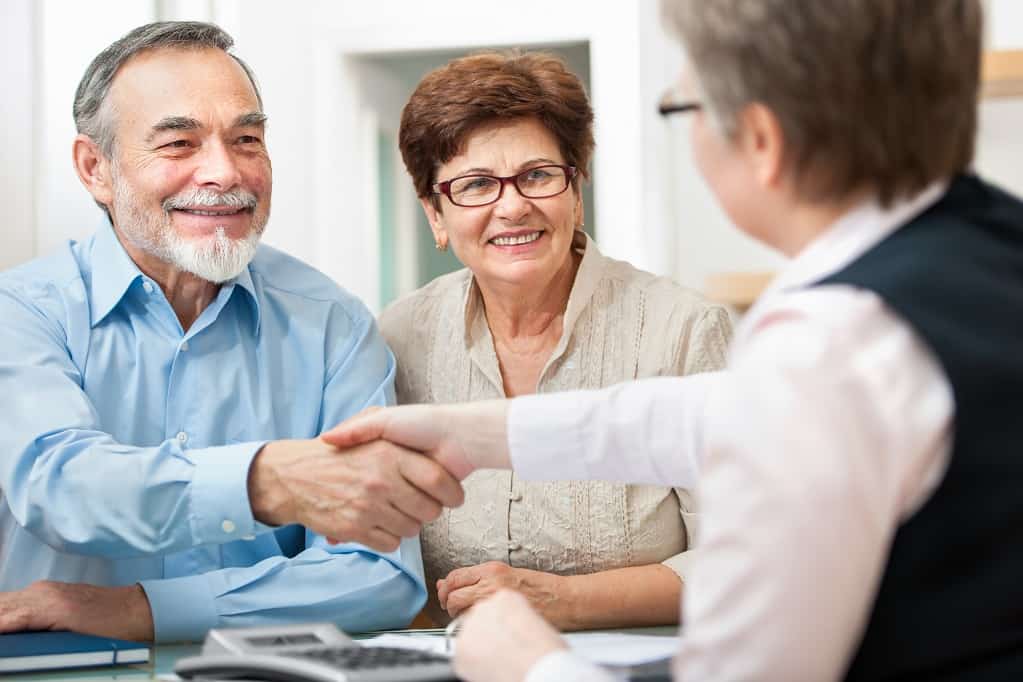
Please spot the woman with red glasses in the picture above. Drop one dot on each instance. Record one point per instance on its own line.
(497, 146)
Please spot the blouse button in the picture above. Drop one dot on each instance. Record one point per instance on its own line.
(514, 546)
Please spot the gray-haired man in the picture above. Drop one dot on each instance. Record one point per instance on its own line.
(154, 372)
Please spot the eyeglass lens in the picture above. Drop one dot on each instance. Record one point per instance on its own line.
(535, 183)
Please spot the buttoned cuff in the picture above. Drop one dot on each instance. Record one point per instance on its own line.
(563, 666)
(543, 431)
(183, 608)
(220, 509)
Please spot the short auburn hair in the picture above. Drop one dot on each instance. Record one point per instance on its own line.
(451, 102)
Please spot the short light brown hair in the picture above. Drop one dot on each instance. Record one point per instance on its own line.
(451, 102)
(869, 93)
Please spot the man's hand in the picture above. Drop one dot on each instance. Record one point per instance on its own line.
(462, 437)
(121, 612)
(501, 639)
(463, 587)
(374, 493)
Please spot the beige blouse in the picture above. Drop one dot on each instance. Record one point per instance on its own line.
(620, 324)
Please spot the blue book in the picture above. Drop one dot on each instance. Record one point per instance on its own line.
(23, 651)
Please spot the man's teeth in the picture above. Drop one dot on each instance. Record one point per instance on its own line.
(514, 241)
(195, 211)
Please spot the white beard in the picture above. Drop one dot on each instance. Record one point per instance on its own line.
(216, 258)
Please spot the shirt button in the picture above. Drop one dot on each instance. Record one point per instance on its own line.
(147, 286)
(514, 546)
(182, 437)
(569, 365)
(184, 345)
(515, 497)
(227, 525)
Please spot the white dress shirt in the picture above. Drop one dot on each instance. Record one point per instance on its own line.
(832, 425)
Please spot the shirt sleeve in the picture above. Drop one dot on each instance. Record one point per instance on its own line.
(564, 666)
(648, 431)
(348, 584)
(79, 490)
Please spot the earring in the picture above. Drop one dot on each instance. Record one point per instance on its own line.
(441, 246)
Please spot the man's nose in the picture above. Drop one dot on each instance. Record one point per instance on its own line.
(217, 167)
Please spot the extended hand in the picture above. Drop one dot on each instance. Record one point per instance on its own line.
(464, 587)
(121, 612)
(501, 639)
(462, 438)
(374, 494)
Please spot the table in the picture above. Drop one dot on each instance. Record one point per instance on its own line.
(166, 655)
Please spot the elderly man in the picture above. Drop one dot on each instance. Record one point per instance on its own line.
(859, 463)
(155, 373)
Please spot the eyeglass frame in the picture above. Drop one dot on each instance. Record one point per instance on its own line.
(445, 187)
(669, 108)
(671, 104)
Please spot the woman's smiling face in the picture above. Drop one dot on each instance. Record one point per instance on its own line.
(516, 240)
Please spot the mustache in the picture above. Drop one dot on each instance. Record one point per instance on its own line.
(235, 198)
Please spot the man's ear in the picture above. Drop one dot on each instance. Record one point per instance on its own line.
(762, 142)
(93, 169)
(440, 233)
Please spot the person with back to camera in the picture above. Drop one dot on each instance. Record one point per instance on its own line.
(859, 461)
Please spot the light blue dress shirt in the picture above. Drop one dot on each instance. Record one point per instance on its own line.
(125, 442)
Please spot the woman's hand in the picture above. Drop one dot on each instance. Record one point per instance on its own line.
(462, 438)
(502, 638)
(546, 592)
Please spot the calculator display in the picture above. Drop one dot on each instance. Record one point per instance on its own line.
(284, 639)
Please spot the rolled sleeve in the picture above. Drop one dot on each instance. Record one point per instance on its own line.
(221, 511)
(682, 563)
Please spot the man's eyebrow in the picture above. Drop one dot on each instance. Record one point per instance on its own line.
(253, 118)
(173, 123)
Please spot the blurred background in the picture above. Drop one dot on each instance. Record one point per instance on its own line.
(334, 77)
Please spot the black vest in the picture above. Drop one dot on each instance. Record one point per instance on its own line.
(950, 604)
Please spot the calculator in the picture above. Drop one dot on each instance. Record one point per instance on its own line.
(318, 652)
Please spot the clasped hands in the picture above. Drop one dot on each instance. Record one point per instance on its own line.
(373, 479)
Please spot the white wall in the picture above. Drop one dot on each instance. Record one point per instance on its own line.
(314, 60)
(17, 73)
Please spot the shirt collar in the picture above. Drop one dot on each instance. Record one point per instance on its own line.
(244, 282)
(586, 279)
(114, 272)
(852, 235)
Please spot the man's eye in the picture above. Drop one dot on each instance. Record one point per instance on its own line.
(249, 139)
(177, 144)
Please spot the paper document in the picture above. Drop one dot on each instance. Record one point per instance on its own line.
(602, 648)
(608, 648)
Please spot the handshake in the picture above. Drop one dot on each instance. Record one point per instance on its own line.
(381, 475)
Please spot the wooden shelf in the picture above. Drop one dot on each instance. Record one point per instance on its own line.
(1002, 74)
(737, 289)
